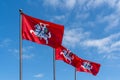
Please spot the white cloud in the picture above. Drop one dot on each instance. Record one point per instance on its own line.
(68, 4)
(111, 56)
(106, 45)
(112, 20)
(116, 44)
(27, 48)
(16, 51)
(26, 56)
(5, 42)
(59, 17)
(80, 15)
(96, 3)
(118, 5)
(109, 46)
(74, 36)
(39, 75)
(89, 4)
(26, 52)
(112, 3)
(113, 24)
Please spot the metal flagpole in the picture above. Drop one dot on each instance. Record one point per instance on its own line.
(20, 46)
(54, 68)
(75, 73)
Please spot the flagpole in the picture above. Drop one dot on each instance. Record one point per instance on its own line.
(54, 68)
(75, 73)
(20, 46)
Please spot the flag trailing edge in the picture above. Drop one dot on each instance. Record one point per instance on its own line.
(80, 64)
(41, 31)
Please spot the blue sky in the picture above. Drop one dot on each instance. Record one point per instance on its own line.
(92, 31)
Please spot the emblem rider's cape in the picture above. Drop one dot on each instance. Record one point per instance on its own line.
(41, 31)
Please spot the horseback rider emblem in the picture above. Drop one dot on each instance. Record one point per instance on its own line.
(67, 55)
(41, 31)
(87, 65)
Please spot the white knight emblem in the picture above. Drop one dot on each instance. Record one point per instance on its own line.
(67, 55)
(41, 31)
(87, 65)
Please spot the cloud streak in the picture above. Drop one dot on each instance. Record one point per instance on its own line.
(25, 50)
(74, 36)
(60, 3)
(38, 75)
(5, 42)
(108, 44)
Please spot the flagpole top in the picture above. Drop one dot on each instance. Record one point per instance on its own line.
(20, 10)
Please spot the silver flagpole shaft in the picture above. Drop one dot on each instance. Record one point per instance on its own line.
(54, 68)
(20, 46)
(75, 73)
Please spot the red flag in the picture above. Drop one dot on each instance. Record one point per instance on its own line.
(88, 66)
(62, 53)
(41, 32)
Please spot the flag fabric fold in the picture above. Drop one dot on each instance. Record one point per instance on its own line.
(41, 31)
(81, 65)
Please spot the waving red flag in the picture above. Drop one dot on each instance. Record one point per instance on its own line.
(62, 53)
(41, 32)
(88, 66)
